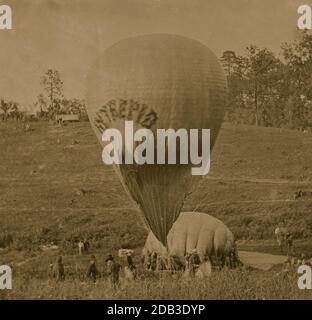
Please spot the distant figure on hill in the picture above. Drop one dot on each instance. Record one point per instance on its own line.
(51, 270)
(59, 271)
(279, 238)
(81, 247)
(281, 232)
(86, 244)
(113, 270)
(289, 244)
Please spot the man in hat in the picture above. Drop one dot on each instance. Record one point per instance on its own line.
(113, 269)
(59, 271)
(279, 234)
(86, 245)
(80, 247)
(289, 244)
(130, 269)
(92, 272)
(131, 264)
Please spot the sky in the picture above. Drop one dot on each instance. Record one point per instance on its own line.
(68, 35)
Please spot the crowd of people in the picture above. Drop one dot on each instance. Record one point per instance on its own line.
(191, 266)
(112, 267)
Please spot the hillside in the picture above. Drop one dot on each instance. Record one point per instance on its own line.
(54, 186)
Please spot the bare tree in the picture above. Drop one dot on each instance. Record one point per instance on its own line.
(53, 86)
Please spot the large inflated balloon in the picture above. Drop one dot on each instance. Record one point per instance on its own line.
(158, 81)
(194, 230)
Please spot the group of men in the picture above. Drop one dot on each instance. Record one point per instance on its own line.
(192, 265)
(152, 261)
(112, 270)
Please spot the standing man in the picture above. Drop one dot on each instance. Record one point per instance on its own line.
(278, 235)
(86, 245)
(131, 264)
(147, 261)
(289, 244)
(153, 261)
(80, 247)
(92, 272)
(59, 271)
(113, 270)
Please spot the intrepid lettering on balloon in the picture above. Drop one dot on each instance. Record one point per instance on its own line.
(124, 109)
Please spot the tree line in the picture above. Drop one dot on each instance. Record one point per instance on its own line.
(50, 102)
(265, 89)
(271, 90)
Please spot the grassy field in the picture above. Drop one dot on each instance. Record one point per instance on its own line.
(234, 284)
(55, 188)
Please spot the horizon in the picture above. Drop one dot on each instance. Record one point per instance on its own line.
(68, 36)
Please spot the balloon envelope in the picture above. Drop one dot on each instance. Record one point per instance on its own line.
(193, 230)
(159, 81)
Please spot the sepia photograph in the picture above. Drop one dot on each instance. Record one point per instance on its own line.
(155, 150)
